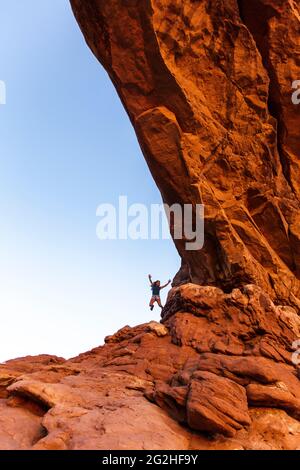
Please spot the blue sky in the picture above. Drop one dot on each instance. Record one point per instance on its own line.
(66, 146)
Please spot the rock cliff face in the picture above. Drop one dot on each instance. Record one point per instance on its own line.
(207, 86)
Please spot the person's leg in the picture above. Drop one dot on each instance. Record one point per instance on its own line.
(159, 302)
(151, 304)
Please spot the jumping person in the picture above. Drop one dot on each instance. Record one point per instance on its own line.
(156, 288)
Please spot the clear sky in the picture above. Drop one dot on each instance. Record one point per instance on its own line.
(66, 146)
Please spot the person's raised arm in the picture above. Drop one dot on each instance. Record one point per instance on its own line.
(165, 285)
(150, 279)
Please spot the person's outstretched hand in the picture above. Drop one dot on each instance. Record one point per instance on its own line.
(169, 281)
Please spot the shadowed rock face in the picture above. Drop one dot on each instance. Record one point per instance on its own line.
(207, 86)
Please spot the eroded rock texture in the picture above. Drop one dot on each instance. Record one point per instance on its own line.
(207, 85)
(216, 374)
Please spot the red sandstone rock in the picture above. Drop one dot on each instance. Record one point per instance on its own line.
(216, 404)
(207, 86)
(176, 385)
